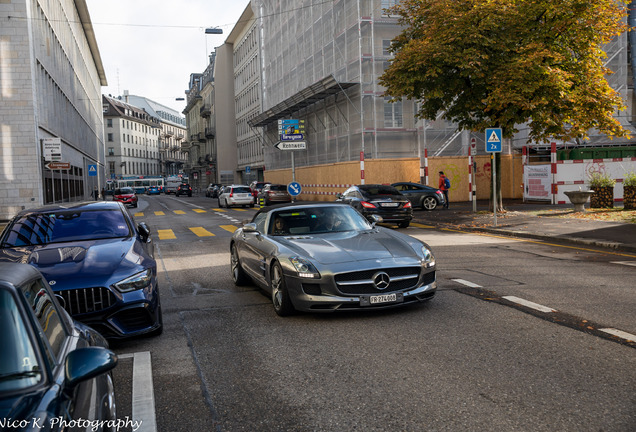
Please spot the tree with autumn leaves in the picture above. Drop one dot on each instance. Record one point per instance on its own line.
(507, 63)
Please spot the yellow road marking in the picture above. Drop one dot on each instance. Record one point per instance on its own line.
(230, 228)
(179, 212)
(419, 225)
(159, 213)
(219, 210)
(166, 234)
(139, 214)
(201, 232)
(198, 210)
(239, 209)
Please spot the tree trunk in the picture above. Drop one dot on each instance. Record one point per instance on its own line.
(499, 198)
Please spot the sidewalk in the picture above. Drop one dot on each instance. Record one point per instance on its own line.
(534, 220)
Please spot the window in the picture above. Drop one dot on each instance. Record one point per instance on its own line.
(109, 122)
(392, 113)
(111, 151)
(110, 137)
(386, 43)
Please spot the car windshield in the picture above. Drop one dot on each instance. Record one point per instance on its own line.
(124, 191)
(279, 188)
(242, 189)
(66, 226)
(316, 220)
(19, 367)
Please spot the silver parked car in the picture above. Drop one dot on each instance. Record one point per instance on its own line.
(236, 195)
(323, 257)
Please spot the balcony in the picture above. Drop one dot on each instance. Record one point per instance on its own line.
(168, 133)
(205, 111)
(197, 137)
(179, 136)
(210, 132)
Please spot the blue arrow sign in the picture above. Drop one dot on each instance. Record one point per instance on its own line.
(493, 140)
(294, 188)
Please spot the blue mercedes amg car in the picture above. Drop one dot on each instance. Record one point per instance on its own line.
(99, 264)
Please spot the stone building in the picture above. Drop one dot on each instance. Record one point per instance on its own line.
(50, 91)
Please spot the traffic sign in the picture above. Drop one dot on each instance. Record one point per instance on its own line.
(294, 188)
(92, 170)
(291, 145)
(58, 165)
(493, 140)
(52, 149)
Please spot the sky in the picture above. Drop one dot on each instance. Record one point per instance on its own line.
(150, 47)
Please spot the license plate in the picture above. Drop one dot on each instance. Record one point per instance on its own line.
(389, 204)
(382, 298)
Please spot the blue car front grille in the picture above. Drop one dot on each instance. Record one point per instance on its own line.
(86, 300)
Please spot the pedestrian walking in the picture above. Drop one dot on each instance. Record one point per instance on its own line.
(103, 194)
(444, 186)
(95, 194)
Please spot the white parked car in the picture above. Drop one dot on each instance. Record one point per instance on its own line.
(236, 195)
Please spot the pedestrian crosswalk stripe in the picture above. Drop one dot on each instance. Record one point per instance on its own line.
(166, 234)
(179, 212)
(139, 214)
(198, 210)
(230, 228)
(159, 213)
(240, 209)
(219, 210)
(201, 232)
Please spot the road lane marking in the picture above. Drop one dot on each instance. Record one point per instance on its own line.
(238, 209)
(230, 228)
(619, 333)
(529, 304)
(179, 212)
(166, 234)
(201, 232)
(419, 225)
(159, 213)
(139, 214)
(143, 395)
(467, 283)
(627, 263)
(199, 211)
(219, 210)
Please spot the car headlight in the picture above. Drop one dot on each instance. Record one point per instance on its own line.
(304, 268)
(134, 282)
(428, 259)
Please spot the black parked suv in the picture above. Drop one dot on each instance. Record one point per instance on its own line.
(184, 189)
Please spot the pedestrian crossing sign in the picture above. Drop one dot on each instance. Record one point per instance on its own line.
(92, 170)
(493, 140)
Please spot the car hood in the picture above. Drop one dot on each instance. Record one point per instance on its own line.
(350, 246)
(81, 264)
(24, 406)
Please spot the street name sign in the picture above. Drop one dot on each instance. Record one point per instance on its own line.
(291, 145)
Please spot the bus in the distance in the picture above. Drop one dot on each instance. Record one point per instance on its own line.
(138, 183)
(172, 183)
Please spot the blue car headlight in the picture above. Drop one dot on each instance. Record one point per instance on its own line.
(135, 282)
(428, 259)
(304, 268)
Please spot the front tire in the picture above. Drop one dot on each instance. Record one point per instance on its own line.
(220, 206)
(280, 296)
(238, 274)
(429, 203)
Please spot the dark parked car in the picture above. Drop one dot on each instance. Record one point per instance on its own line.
(256, 187)
(126, 195)
(323, 257)
(272, 194)
(52, 367)
(212, 191)
(426, 197)
(184, 189)
(99, 264)
(381, 200)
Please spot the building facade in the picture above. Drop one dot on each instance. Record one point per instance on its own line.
(173, 131)
(132, 140)
(50, 91)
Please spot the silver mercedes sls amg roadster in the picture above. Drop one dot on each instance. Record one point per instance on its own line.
(323, 257)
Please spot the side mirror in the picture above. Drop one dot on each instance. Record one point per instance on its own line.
(144, 231)
(375, 219)
(339, 196)
(87, 363)
(250, 228)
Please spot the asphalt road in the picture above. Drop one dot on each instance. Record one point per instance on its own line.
(478, 357)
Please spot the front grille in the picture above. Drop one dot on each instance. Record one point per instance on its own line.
(133, 319)
(86, 300)
(361, 282)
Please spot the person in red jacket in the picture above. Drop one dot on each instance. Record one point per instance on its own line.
(443, 188)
